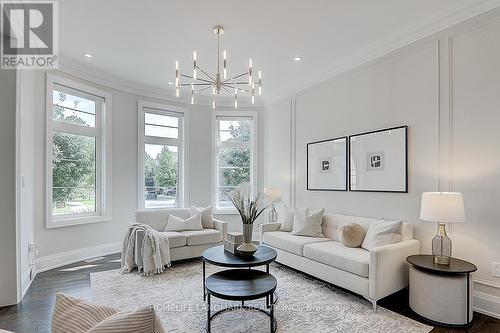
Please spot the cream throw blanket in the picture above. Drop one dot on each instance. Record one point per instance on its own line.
(155, 251)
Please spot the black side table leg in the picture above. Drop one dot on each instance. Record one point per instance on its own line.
(204, 290)
(267, 296)
(208, 313)
(468, 300)
(271, 310)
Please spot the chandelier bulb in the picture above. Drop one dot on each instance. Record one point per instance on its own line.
(213, 104)
(177, 94)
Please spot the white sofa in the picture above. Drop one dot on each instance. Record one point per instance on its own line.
(372, 274)
(183, 244)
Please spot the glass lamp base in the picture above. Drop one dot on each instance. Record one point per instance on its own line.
(441, 246)
(272, 215)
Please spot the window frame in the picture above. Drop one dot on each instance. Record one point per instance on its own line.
(182, 141)
(102, 134)
(216, 145)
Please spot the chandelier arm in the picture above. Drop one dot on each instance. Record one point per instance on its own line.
(211, 78)
(237, 76)
(227, 90)
(195, 84)
(204, 89)
(197, 79)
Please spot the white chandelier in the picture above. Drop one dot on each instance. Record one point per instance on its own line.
(242, 84)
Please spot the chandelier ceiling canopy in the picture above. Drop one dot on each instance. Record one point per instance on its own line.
(244, 84)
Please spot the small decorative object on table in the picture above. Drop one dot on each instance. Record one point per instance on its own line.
(249, 211)
(234, 239)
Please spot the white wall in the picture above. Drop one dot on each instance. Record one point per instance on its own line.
(64, 244)
(8, 245)
(446, 89)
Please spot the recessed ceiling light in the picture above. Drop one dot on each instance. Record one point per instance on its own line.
(170, 82)
(297, 59)
(87, 55)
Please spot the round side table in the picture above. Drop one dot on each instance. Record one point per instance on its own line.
(441, 294)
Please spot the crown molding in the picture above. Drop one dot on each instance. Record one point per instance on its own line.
(423, 29)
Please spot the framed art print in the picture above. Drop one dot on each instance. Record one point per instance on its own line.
(327, 165)
(378, 161)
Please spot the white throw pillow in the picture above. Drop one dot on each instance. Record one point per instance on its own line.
(382, 232)
(308, 223)
(177, 224)
(287, 223)
(207, 217)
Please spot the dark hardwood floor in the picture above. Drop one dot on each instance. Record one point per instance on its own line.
(33, 314)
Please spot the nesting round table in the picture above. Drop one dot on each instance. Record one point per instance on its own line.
(238, 283)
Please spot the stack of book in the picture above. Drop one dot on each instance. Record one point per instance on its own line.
(234, 239)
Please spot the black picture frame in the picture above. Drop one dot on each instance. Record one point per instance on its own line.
(308, 145)
(406, 156)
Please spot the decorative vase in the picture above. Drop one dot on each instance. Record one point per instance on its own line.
(247, 249)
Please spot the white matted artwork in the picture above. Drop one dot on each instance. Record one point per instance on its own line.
(379, 161)
(327, 165)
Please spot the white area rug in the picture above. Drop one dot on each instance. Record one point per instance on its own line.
(304, 303)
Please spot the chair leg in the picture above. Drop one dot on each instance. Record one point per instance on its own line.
(374, 303)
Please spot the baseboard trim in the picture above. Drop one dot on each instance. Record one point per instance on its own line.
(25, 282)
(486, 303)
(70, 257)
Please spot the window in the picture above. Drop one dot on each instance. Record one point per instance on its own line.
(161, 143)
(78, 145)
(234, 156)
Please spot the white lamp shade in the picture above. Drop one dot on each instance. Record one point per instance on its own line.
(273, 193)
(443, 207)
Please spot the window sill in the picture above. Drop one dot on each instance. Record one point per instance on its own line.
(72, 221)
(227, 211)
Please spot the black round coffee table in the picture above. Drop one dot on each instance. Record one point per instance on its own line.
(218, 257)
(241, 285)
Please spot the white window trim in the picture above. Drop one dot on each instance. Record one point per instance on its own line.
(183, 170)
(253, 159)
(103, 149)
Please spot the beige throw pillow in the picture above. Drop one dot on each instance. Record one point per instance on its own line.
(308, 223)
(352, 234)
(287, 223)
(177, 224)
(382, 232)
(207, 217)
(72, 315)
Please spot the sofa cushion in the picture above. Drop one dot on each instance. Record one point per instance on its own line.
(291, 243)
(201, 237)
(175, 239)
(177, 224)
(332, 253)
(308, 224)
(382, 232)
(207, 217)
(157, 218)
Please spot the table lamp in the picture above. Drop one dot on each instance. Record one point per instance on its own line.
(442, 207)
(274, 195)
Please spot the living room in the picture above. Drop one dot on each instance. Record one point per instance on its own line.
(170, 166)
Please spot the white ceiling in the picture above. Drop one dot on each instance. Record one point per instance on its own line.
(137, 42)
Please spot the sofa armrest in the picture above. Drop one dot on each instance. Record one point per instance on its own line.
(221, 226)
(388, 269)
(266, 227)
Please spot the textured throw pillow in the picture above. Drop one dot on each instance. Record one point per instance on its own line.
(207, 217)
(308, 223)
(177, 224)
(382, 232)
(72, 315)
(287, 223)
(352, 234)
